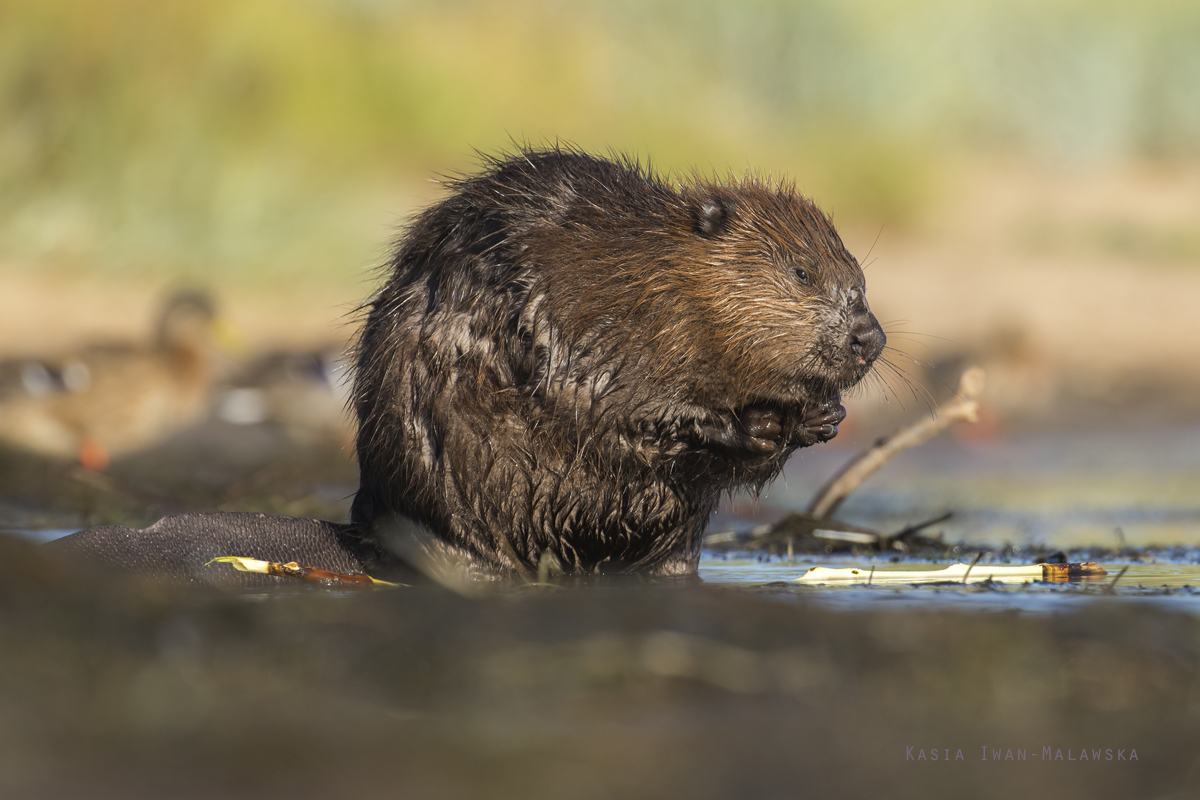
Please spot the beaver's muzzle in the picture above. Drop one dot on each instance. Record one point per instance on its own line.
(866, 339)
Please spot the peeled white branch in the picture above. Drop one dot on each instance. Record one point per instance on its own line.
(955, 573)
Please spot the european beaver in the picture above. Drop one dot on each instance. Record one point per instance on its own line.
(573, 358)
(570, 361)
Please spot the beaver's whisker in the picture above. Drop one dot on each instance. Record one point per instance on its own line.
(919, 392)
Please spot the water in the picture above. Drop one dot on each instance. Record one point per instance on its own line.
(762, 677)
(1099, 489)
(1175, 586)
(746, 571)
(1059, 489)
(1171, 585)
(45, 535)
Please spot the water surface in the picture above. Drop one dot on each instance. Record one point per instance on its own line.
(1070, 488)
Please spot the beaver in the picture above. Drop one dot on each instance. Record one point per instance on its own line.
(568, 363)
(572, 358)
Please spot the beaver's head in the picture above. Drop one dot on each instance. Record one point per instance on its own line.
(786, 299)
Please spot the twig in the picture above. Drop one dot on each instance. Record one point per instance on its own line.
(963, 406)
(909, 530)
(1112, 585)
(793, 526)
(978, 556)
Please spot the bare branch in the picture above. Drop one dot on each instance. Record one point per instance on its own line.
(964, 406)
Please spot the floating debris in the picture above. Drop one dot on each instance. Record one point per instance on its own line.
(294, 570)
(956, 573)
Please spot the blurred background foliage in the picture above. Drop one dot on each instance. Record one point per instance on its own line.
(251, 140)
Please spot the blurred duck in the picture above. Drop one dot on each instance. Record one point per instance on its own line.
(304, 392)
(108, 400)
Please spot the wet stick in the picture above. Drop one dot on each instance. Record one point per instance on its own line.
(964, 406)
(1112, 586)
(293, 570)
(978, 556)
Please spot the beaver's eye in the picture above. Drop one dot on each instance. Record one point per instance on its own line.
(801, 274)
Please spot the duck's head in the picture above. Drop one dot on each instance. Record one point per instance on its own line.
(188, 322)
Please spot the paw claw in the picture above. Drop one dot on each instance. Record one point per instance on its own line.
(821, 423)
(763, 446)
(762, 423)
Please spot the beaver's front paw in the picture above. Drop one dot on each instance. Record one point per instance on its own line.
(820, 423)
(763, 426)
(753, 433)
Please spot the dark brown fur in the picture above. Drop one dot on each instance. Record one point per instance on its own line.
(571, 357)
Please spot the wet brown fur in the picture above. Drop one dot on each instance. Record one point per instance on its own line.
(572, 357)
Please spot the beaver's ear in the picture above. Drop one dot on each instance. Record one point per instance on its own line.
(713, 214)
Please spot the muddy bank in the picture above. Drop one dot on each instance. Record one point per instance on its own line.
(626, 691)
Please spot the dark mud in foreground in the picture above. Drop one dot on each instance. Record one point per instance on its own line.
(125, 690)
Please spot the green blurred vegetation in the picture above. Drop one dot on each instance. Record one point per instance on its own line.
(259, 139)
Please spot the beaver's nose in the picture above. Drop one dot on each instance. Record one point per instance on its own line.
(866, 338)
